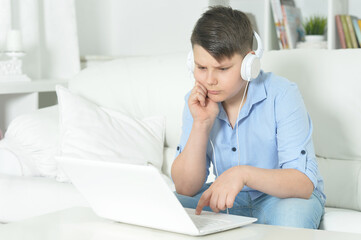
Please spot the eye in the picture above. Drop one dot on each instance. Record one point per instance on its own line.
(224, 69)
(201, 68)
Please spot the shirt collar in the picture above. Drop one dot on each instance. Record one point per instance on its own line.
(256, 93)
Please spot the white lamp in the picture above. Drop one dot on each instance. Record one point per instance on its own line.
(14, 44)
(11, 70)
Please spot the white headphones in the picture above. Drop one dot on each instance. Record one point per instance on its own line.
(251, 65)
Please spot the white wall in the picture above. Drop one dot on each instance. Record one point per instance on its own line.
(138, 27)
(312, 7)
(355, 8)
(256, 7)
(319, 7)
(143, 27)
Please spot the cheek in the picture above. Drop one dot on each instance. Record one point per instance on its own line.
(233, 87)
(231, 80)
(236, 75)
(199, 76)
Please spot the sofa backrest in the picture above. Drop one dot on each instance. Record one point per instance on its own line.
(330, 82)
(141, 87)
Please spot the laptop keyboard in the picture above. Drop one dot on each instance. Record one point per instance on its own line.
(204, 222)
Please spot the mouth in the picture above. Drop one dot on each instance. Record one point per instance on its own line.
(213, 92)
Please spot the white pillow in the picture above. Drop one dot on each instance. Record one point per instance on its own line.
(88, 131)
(33, 139)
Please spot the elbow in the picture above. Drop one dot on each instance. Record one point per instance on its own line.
(184, 185)
(305, 186)
(307, 190)
(303, 194)
(185, 190)
(306, 195)
(181, 187)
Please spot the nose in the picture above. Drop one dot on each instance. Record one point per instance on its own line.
(211, 79)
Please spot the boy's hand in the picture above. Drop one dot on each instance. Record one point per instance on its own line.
(202, 108)
(222, 193)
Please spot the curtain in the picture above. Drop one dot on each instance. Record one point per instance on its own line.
(5, 16)
(49, 34)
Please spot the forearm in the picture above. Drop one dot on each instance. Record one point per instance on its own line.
(189, 168)
(282, 183)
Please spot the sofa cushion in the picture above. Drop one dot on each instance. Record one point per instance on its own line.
(343, 182)
(9, 163)
(33, 139)
(336, 219)
(91, 132)
(168, 157)
(141, 87)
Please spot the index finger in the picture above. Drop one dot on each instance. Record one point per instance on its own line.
(201, 86)
(203, 201)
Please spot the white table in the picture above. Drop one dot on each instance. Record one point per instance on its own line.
(82, 223)
(44, 85)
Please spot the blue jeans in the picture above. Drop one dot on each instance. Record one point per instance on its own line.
(292, 212)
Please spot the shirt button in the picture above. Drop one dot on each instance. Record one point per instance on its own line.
(303, 152)
(234, 149)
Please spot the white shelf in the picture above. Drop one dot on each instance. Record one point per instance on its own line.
(44, 85)
(334, 7)
(268, 31)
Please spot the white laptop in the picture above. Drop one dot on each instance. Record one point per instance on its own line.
(138, 194)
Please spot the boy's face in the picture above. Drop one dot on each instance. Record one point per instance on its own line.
(221, 79)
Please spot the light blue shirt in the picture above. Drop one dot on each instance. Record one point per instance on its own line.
(274, 132)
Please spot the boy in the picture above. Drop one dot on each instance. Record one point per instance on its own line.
(272, 173)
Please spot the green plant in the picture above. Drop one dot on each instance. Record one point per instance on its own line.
(315, 25)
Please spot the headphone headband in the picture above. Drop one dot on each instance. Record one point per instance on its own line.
(259, 51)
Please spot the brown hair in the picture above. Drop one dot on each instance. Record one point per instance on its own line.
(223, 31)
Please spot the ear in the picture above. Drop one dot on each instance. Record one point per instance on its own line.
(252, 52)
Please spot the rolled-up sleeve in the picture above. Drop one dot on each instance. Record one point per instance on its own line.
(187, 122)
(294, 134)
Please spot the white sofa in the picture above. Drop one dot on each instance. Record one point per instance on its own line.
(330, 81)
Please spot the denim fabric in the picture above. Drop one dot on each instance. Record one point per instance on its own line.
(292, 212)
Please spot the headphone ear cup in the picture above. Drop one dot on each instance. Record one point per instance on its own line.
(255, 67)
(250, 67)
